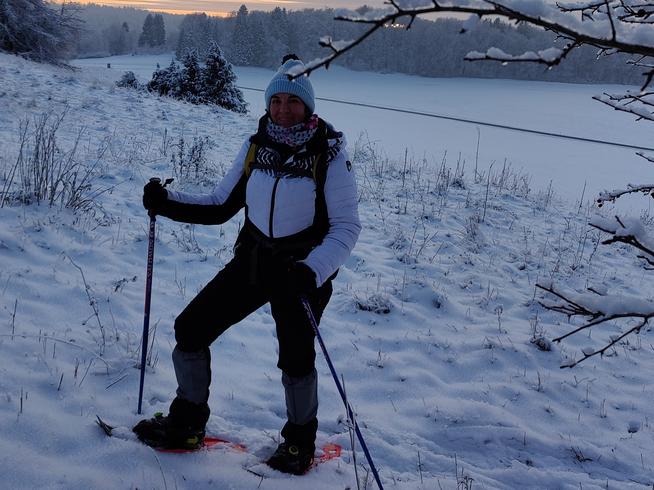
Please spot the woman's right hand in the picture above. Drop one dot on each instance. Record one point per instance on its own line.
(154, 195)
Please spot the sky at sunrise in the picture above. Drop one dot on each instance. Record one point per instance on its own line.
(220, 7)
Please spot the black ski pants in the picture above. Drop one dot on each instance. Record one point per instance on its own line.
(232, 295)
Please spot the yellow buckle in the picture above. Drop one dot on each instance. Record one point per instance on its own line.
(293, 450)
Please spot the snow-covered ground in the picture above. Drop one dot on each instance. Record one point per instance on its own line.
(561, 108)
(430, 324)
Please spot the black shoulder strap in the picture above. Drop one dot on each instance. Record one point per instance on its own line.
(320, 164)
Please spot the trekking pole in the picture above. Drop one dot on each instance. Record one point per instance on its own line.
(148, 294)
(350, 412)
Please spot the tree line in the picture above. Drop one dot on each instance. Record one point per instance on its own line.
(431, 48)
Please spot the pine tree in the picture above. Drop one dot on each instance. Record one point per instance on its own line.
(194, 34)
(145, 39)
(118, 38)
(190, 79)
(158, 31)
(167, 81)
(218, 82)
(241, 38)
(280, 42)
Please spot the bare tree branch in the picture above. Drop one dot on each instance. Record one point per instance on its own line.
(611, 11)
(611, 196)
(629, 238)
(640, 104)
(549, 57)
(637, 14)
(595, 317)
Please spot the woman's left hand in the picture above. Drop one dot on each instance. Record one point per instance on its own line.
(300, 278)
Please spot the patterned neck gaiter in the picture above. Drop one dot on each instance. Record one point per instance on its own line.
(295, 135)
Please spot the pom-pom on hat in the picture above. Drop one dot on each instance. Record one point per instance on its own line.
(301, 86)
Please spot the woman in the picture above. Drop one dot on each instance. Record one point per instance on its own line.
(296, 184)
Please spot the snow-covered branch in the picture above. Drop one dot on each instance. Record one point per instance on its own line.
(629, 231)
(611, 196)
(598, 309)
(612, 26)
(549, 56)
(639, 12)
(640, 104)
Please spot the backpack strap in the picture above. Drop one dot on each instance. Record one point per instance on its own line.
(319, 171)
(250, 158)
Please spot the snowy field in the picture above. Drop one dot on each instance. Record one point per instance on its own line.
(560, 108)
(431, 322)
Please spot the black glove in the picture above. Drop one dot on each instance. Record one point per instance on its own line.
(300, 279)
(154, 195)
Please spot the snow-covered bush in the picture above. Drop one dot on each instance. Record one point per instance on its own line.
(212, 83)
(166, 81)
(128, 80)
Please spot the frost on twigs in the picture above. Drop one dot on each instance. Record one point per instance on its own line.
(372, 15)
(611, 196)
(638, 103)
(596, 310)
(629, 231)
(549, 56)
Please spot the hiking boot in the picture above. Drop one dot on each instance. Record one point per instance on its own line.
(162, 432)
(290, 458)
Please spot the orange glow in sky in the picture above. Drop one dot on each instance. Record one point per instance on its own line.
(220, 8)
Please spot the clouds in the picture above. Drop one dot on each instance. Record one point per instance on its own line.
(218, 7)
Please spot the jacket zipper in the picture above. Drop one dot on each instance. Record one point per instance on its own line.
(272, 207)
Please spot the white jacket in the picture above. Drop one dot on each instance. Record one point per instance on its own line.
(280, 206)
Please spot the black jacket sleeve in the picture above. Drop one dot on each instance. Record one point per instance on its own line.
(206, 214)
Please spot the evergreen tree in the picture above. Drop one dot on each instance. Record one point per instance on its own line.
(241, 38)
(167, 81)
(154, 31)
(214, 83)
(260, 49)
(279, 42)
(218, 82)
(118, 38)
(195, 33)
(158, 31)
(190, 77)
(146, 37)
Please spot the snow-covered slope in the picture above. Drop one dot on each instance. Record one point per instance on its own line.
(430, 324)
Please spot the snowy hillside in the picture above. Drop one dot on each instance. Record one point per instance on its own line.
(431, 322)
